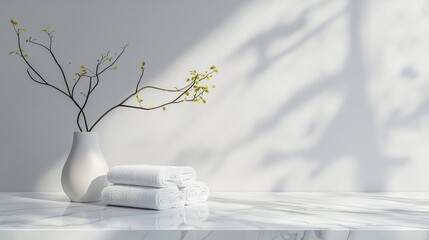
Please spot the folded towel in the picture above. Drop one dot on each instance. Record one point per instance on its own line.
(142, 197)
(152, 176)
(196, 213)
(195, 193)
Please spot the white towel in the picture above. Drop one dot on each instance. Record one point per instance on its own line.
(152, 176)
(142, 197)
(195, 193)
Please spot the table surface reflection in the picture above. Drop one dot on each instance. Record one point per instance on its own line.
(225, 211)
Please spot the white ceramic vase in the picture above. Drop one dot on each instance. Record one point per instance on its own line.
(84, 173)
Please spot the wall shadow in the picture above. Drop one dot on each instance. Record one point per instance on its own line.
(282, 30)
(44, 133)
(352, 132)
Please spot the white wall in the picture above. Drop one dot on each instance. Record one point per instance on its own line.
(325, 95)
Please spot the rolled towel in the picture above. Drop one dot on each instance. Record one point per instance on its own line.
(152, 176)
(195, 193)
(142, 197)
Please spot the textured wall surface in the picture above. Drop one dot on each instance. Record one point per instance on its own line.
(328, 95)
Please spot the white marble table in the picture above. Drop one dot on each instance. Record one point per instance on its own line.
(224, 216)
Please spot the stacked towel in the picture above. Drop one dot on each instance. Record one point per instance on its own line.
(154, 187)
(152, 176)
(143, 197)
(195, 193)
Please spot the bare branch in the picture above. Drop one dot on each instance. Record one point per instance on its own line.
(114, 61)
(70, 92)
(84, 104)
(32, 78)
(49, 49)
(74, 86)
(140, 79)
(20, 53)
(176, 100)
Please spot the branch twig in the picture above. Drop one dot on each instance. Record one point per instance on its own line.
(70, 91)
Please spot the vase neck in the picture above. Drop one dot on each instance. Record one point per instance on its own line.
(86, 138)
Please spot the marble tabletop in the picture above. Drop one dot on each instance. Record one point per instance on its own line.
(296, 212)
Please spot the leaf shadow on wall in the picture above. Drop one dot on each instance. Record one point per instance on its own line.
(351, 132)
(281, 30)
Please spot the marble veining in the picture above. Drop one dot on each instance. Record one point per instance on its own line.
(304, 213)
